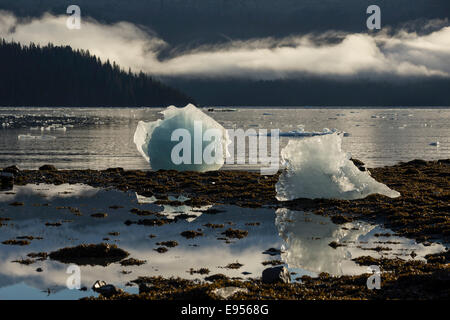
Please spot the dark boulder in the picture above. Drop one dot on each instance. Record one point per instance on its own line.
(12, 169)
(417, 163)
(444, 161)
(277, 274)
(106, 290)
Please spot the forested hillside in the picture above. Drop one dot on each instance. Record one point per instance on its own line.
(59, 76)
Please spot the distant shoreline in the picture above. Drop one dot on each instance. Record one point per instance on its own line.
(241, 107)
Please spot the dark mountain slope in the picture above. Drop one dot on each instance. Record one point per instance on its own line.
(59, 76)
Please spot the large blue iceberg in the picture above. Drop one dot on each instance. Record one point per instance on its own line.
(185, 140)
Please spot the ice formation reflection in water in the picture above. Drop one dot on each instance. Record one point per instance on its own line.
(303, 238)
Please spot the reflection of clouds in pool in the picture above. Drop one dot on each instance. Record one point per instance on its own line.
(301, 251)
(209, 252)
(49, 191)
(173, 211)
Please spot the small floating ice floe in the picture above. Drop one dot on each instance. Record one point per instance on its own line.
(300, 132)
(186, 139)
(25, 137)
(29, 137)
(317, 167)
(45, 138)
(61, 129)
(221, 110)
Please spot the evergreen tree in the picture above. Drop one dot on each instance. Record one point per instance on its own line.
(32, 75)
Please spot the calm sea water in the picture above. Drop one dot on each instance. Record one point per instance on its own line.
(102, 138)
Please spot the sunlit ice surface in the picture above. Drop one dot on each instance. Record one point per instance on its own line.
(303, 239)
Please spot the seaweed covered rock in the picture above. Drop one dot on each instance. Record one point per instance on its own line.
(12, 169)
(90, 254)
(235, 233)
(47, 167)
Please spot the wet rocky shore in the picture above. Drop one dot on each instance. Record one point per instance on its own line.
(420, 213)
(399, 280)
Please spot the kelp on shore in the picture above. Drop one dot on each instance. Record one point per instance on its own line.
(421, 212)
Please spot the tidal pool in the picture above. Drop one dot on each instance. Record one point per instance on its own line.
(61, 216)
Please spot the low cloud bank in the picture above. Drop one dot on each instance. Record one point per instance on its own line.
(383, 55)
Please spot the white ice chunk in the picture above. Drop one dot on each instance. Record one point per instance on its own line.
(25, 137)
(29, 137)
(317, 167)
(300, 132)
(45, 137)
(154, 140)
